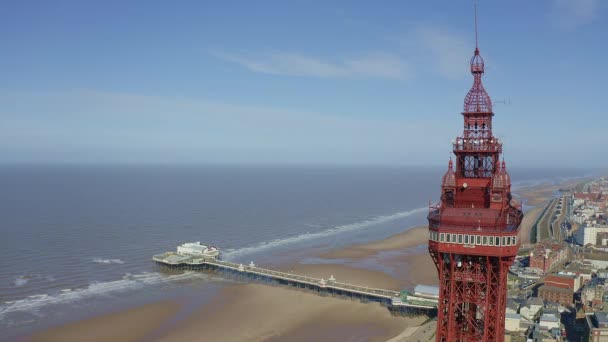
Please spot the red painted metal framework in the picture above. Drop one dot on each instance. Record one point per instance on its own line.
(473, 229)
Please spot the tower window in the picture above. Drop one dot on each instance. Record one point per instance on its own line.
(442, 237)
(504, 241)
(478, 239)
(466, 239)
(459, 238)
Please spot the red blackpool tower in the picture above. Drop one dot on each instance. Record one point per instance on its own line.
(473, 229)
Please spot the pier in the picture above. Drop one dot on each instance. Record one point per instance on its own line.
(399, 303)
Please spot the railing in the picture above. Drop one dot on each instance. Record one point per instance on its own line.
(301, 278)
(477, 144)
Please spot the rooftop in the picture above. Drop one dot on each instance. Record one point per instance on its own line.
(535, 301)
(513, 316)
(600, 319)
(555, 289)
(427, 289)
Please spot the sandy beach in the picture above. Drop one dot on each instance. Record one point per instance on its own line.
(539, 194)
(129, 325)
(256, 312)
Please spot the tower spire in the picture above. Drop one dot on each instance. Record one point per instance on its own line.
(477, 100)
(476, 45)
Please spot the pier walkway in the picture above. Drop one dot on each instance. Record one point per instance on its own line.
(397, 302)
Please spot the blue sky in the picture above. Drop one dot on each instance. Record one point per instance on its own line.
(297, 81)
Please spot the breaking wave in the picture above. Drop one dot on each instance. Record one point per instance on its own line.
(329, 232)
(129, 282)
(20, 281)
(107, 261)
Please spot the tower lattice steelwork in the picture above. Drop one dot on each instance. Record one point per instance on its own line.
(473, 229)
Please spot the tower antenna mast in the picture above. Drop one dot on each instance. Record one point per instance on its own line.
(475, 6)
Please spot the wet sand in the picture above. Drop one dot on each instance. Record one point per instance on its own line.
(410, 238)
(130, 325)
(256, 312)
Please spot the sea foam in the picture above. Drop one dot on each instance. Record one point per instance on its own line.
(229, 254)
(35, 302)
(20, 281)
(107, 261)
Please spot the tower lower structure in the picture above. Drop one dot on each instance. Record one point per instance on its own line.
(473, 229)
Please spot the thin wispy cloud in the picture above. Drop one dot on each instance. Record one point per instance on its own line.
(442, 51)
(371, 65)
(445, 51)
(570, 14)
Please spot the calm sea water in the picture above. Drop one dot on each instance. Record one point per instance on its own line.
(77, 240)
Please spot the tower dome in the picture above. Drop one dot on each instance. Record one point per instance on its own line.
(477, 99)
(449, 179)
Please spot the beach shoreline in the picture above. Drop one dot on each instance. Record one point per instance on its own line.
(258, 312)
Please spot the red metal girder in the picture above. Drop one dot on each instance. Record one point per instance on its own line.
(475, 201)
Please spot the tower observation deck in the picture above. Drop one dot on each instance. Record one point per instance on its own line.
(473, 229)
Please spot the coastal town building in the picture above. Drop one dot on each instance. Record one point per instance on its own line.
(592, 295)
(559, 288)
(513, 306)
(547, 256)
(591, 231)
(596, 259)
(597, 327)
(532, 308)
(549, 320)
(512, 321)
(583, 271)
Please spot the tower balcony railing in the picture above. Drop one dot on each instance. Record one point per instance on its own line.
(477, 144)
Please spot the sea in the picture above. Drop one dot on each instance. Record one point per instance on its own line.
(77, 240)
